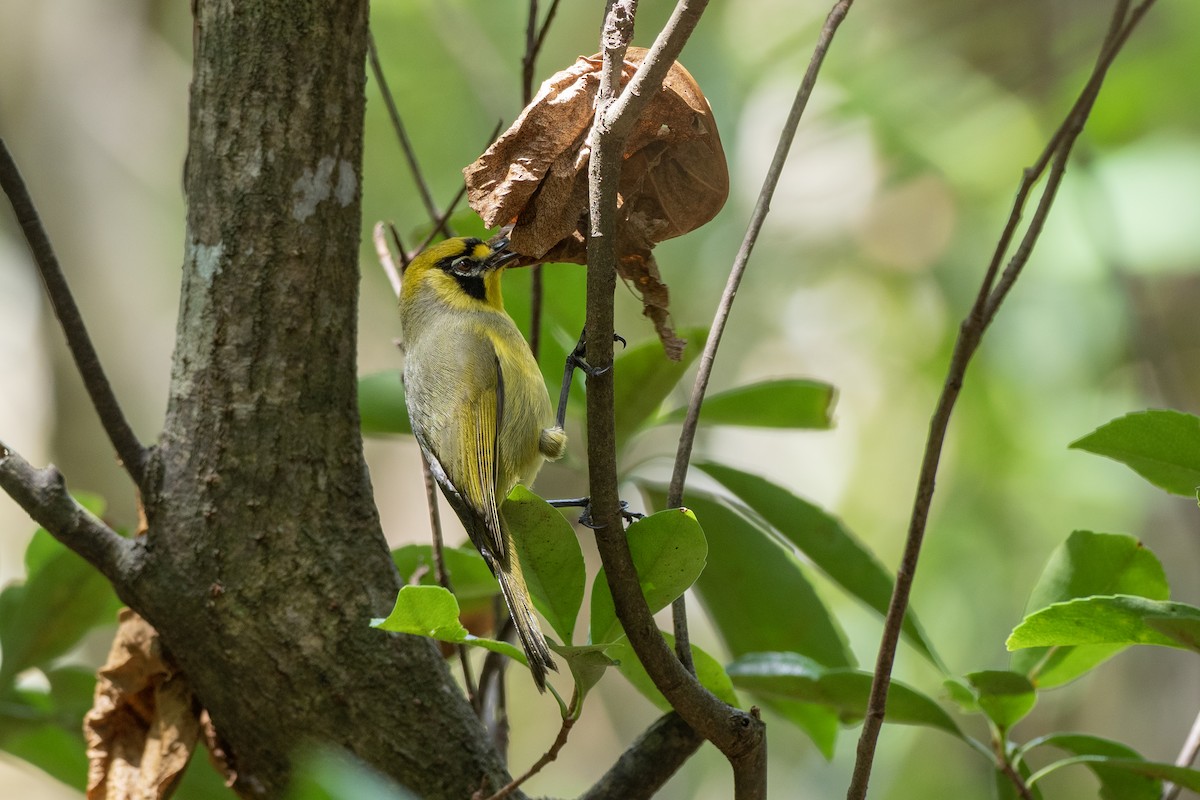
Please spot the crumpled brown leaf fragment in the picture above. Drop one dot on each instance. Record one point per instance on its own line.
(144, 721)
(674, 178)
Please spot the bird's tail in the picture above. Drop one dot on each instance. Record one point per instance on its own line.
(520, 606)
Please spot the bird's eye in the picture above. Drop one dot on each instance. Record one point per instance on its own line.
(461, 265)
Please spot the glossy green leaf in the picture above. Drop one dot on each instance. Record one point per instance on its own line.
(1118, 619)
(469, 573)
(847, 691)
(824, 540)
(62, 598)
(785, 403)
(433, 612)
(1162, 446)
(709, 672)
(1087, 564)
(381, 406)
(1105, 759)
(669, 551)
(550, 558)
(643, 376)
(1004, 697)
(755, 590)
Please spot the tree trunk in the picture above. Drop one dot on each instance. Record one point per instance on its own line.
(264, 559)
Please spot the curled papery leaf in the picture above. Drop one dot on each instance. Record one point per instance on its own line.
(673, 180)
(143, 724)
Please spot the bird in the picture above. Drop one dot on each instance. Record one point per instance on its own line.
(478, 406)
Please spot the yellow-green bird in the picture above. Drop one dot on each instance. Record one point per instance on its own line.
(478, 406)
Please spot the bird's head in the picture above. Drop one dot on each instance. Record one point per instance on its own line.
(462, 270)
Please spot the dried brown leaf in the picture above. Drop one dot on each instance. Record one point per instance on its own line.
(143, 724)
(673, 180)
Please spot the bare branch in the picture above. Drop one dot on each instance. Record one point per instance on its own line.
(44, 496)
(550, 755)
(762, 206)
(991, 294)
(131, 452)
(384, 254)
(1186, 757)
(535, 36)
(647, 764)
(401, 134)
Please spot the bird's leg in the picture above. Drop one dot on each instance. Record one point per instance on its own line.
(585, 503)
(575, 360)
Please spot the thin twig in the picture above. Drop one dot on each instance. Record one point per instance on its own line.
(44, 496)
(131, 452)
(992, 292)
(397, 123)
(1186, 757)
(384, 253)
(439, 223)
(534, 37)
(762, 206)
(403, 253)
(550, 755)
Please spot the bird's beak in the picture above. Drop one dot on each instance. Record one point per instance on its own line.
(500, 255)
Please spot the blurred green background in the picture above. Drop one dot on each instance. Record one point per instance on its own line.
(894, 194)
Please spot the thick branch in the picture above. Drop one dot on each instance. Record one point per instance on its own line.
(738, 735)
(649, 762)
(129, 449)
(44, 496)
(987, 303)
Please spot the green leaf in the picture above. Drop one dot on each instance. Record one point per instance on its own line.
(550, 557)
(824, 540)
(847, 691)
(62, 598)
(1161, 446)
(643, 376)
(757, 596)
(755, 591)
(1105, 757)
(1118, 619)
(1087, 564)
(433, 612)
(469, 573)
(587, 664)
(1004, 697)
(381, 406)
(785, 403)
(669, 551)
(709, 672)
